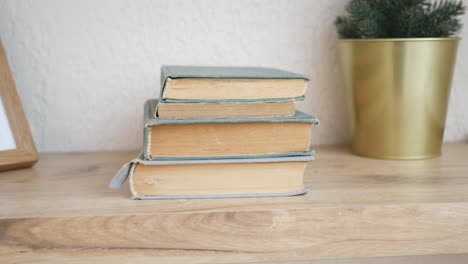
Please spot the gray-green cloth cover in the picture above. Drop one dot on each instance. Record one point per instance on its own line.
(127, 172)
(176, 72)
(150, 120)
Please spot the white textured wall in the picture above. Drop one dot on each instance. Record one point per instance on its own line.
(84, 68)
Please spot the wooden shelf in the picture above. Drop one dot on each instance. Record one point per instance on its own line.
(61, 210)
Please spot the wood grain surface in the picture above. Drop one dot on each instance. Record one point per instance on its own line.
(61, 210)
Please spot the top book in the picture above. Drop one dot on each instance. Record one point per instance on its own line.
(194, 84)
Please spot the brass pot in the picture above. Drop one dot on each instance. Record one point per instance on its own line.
(398, 91)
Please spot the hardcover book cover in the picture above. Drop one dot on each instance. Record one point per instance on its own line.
(150, 121)
(126, 172)
(177, 72)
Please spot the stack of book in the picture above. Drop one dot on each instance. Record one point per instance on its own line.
(222, 132)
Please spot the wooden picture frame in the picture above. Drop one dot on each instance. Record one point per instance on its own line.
(24, 153)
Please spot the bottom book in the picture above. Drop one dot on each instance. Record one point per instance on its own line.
(220, 178)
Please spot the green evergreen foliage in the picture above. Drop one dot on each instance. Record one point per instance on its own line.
(401, 19)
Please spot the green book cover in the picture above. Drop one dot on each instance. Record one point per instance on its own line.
(176, 72)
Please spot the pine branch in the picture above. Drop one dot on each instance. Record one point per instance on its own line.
(368, 19)
(400, 19)
(410, 23)
(345, 28)
(442, 18)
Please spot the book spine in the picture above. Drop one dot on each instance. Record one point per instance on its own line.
(147, 143)
(165, 73)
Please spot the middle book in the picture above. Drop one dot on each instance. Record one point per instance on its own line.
(225, 138)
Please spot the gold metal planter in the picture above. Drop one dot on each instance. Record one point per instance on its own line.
(398, 91)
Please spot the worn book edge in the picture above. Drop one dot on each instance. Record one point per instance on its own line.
(150, 120)
(126, 172)
(169, 72)
(155, 114)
